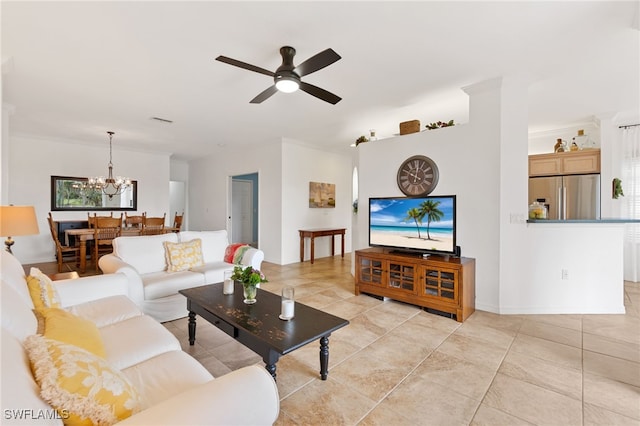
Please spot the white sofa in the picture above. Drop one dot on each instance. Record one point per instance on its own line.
(152, 287)
(174, 388)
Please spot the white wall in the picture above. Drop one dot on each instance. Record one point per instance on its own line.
(209, 180)
(302, 165)
(32, 162)
(284, 169)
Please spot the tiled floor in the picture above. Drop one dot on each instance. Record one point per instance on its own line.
(397, 365)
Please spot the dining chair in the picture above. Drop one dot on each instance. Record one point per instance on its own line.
(106, 229)
(134, 221)
(62, 250)
(91, 219)
(177, 222)
(153, 225)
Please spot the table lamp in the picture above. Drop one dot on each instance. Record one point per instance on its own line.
(17, 221)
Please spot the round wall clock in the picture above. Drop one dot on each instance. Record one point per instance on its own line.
(417, 175)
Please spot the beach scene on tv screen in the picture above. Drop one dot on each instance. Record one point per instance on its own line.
(415, 223)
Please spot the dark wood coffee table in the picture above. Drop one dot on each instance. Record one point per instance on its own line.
(258, 327)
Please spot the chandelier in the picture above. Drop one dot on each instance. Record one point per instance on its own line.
(110, 186)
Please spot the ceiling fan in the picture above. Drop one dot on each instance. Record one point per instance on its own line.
(287, 77)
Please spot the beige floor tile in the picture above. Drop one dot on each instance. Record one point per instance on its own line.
(489, 416)
(213, 365)
(370, 375)
(284, 420)
(472, 350)
(612, 347)
(326, 402)
(383, 415)
(549, 375)
(612, 368)
(462, 376)
(320, 300)
(509, 322)
(399, 309)
(292, 375)
(563, 335)
(416, 398)
(339, 350)
(571, 321)
(438, 322)
(564, 355)
(419, 336)
(501, 338)
(619, 327)
(598, 416)
(614, 396)
(533, 403)
(346, 309)
(360, 332)
(235, 355)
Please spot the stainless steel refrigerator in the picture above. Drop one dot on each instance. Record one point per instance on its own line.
(568, 196)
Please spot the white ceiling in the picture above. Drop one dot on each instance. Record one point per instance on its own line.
(74, 70)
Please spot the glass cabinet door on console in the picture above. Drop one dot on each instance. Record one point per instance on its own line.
(370, 271)
(440, 283)
(401, 276)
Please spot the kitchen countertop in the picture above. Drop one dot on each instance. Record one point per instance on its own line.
(611, 220)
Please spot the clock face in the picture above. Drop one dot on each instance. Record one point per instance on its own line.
(417, 175)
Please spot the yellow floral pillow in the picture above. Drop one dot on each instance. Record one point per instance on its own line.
(41, 289)
(81, 386)
(63, 326)
(183, 256)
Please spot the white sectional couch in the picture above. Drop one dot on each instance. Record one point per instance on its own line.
(173, 387)
(152, 287)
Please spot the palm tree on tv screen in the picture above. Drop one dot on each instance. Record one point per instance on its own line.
(417, 216)
(429, 208)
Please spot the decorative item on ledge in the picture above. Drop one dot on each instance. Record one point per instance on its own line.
(440, 124)
(250, 278)
(361, 139)
(407, 127)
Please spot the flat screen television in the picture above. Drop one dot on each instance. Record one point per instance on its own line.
(424, 225)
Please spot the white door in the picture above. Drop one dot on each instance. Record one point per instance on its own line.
(242, 211)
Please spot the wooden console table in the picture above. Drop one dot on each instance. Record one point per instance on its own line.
(443, 283)
(320, 232)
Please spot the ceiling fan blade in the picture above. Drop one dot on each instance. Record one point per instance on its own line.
(319, 93)
(244, 65)
(317, 62)
(264, 95)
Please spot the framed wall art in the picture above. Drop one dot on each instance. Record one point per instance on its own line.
(322, 195)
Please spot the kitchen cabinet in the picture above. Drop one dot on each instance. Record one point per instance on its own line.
(441, 283)
(565, 163)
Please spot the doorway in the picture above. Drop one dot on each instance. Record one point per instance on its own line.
(244, 209)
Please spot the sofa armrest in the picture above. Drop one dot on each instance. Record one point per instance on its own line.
(112, 264)
(253, 257)
(81, 290)
(219, 402)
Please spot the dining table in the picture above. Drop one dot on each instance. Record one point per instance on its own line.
(86, 234)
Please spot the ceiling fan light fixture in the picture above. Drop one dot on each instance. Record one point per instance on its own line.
(287, 84)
